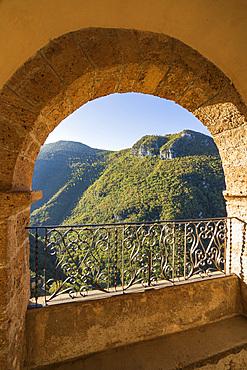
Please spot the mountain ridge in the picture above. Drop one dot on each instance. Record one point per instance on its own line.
(170, 146)
(86, 185)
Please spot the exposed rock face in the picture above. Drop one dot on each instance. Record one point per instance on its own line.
(148, 146)
(170, 154)
(186, 143)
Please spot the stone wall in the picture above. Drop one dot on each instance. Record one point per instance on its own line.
(14, 274)
(70, 330)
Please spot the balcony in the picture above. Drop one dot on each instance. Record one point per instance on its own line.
(150, 284)
(84, 261)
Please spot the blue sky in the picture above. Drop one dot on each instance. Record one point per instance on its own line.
(117, 121)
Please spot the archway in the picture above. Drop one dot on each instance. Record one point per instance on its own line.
(68, 72)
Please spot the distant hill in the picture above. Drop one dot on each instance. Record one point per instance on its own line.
(160, 177)
(63, 171)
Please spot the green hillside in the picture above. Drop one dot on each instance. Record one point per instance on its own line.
(63, 171)
(161, 177)
(133, 189)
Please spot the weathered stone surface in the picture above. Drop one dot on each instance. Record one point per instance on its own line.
(174, 84)
(148, 78)
(67, 58)
(100, 46)
(126, 319)
(129, 46)
(80, 91)
(192, 98)
(42, 86)
(105, 82)
(211, 80)
(188, 59)
(39, 132)
(128, 76)
(11, 137)
(22, 176)
(12, 202)
(157, 50)
(7, 165)
(15, 110)
(31, 66)
(221, 345)
(236, 204)
(56, 114)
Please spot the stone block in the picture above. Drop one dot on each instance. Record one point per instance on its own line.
(40, 130)
(23, 172)
(211, 80)
(41, 87)
(234, 138)
(149, 78)
(201, 114)
(231, 157)
(12, 202)
(188, 59)
(31, 66)
(222, 116)
(7, 165)
(129, 46)
(32, 150)
(192, 98)
(60, 111)
(156, 50)
(235, 177)
(229, 93)
(105, 82)
(15, 110)
(10, 244)
(128, 77)
(17, 224)
(4, 285)
(16, 272)
(4, 243)
(174, 84)
(11, 137)
(100, 46)
(81, 91)
(66, 58)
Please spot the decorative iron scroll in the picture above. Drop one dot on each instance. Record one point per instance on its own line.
(206, 241)
(115, 257)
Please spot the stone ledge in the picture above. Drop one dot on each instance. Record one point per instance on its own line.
(77, 329)
(229, 196)
(12, 202)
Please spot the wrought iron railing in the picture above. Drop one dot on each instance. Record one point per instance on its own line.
(79, 260)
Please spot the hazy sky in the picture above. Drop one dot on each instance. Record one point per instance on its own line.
(117, 121)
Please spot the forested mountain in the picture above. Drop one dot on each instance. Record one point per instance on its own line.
(161, 177)
(63, 171)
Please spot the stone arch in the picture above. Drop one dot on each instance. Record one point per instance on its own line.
(65, 74)
(90, 63)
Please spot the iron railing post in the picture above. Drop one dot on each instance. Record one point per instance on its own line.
(115, 260)
(230, 248)
(36, 266)
(45, 264)
(149, 266)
